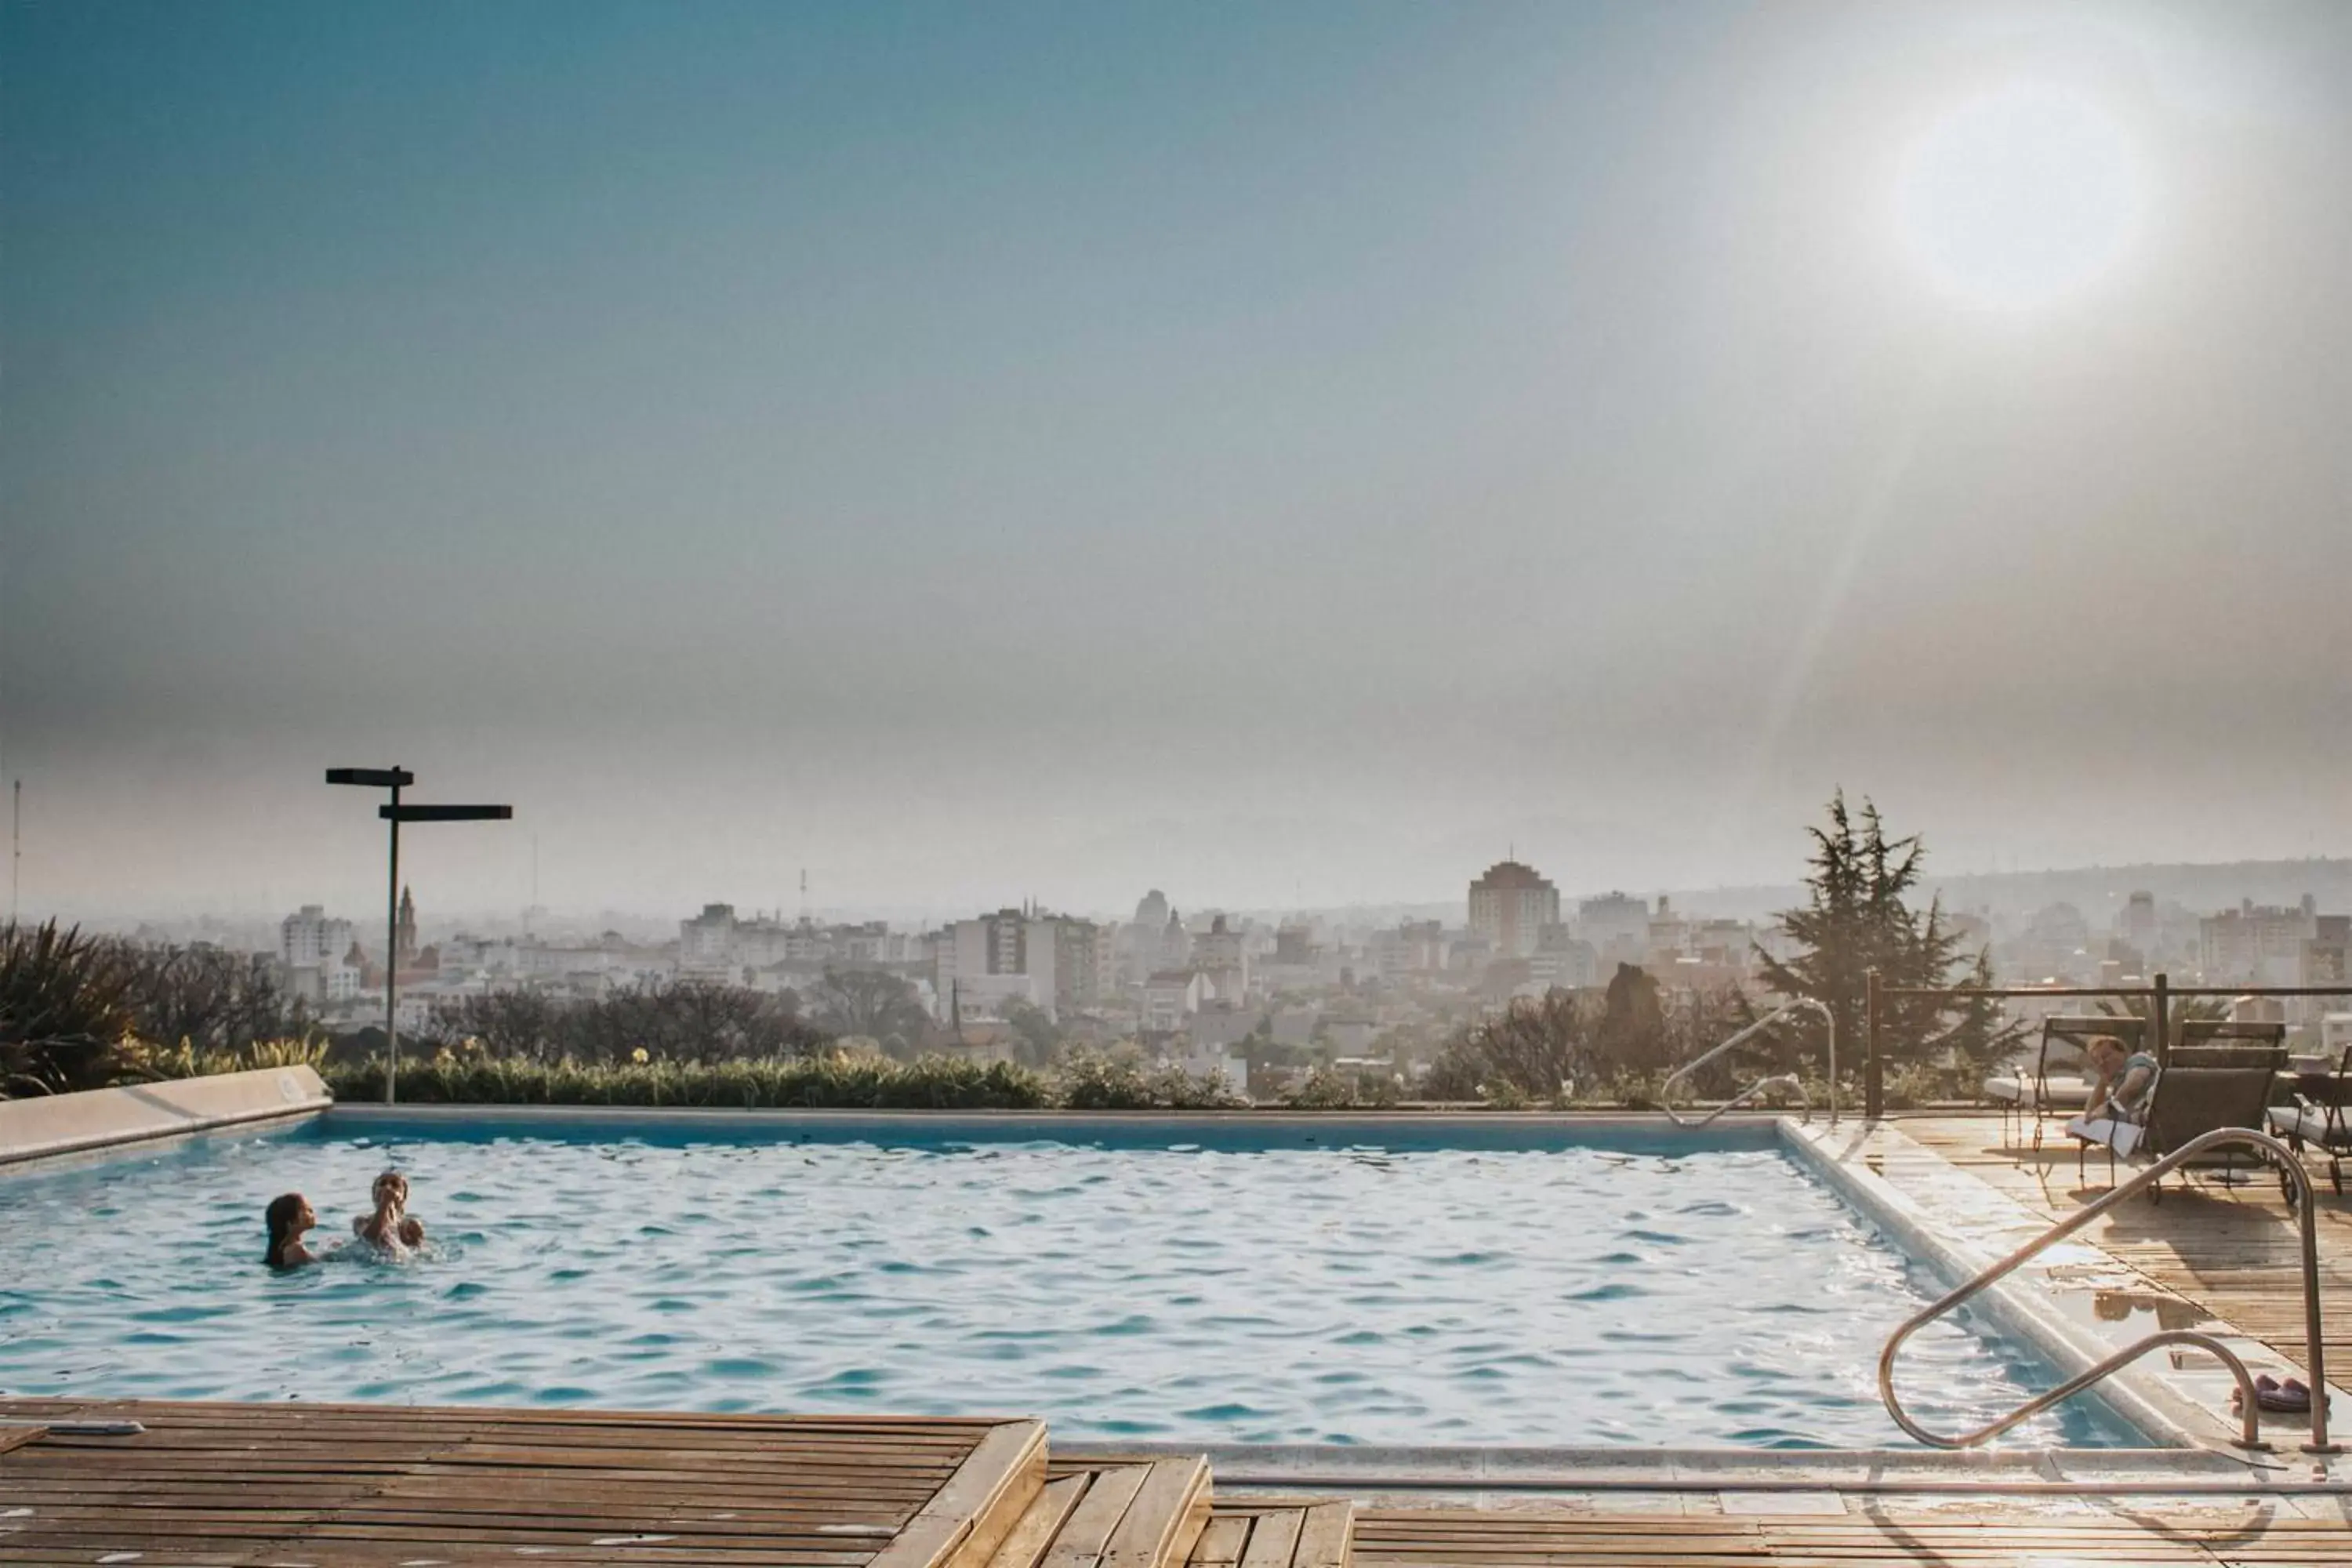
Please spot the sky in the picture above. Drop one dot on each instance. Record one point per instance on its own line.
(1282, 453)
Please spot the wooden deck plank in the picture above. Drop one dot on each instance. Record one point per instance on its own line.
(1273, 1539)
(1220, 1543)
(1089, 1531)
(1324, 1540)
(1026, 1544)
(1169, 1510)
(978, 1506)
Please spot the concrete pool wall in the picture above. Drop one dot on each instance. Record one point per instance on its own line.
(51, 1125)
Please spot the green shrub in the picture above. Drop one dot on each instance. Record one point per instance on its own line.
(140, 1060)
(1091, 1082)
(1330, 1089)
(1173, 1089)
(1504, 1095)
(834, 1082)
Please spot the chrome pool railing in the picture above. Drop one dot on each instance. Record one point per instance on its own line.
(2250, 1413)
(1777, 1080)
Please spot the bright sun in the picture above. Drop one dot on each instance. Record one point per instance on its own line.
(2020, 196)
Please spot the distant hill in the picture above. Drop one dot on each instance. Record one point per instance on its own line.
(2096, 890)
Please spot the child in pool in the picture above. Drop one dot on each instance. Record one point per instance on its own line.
(287, 1217)
(390, 1227)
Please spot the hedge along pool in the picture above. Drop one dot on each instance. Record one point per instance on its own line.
(1339, 1282)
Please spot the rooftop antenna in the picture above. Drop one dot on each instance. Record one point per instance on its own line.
(533, 911)
(15, 844)
(803, 893)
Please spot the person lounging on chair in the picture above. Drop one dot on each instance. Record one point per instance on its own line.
(2052, 1079)
(2183, 1102)
(2123, 1086)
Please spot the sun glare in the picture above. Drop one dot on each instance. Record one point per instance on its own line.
(2020, 196)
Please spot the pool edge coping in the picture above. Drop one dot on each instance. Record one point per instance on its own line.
(1624, 1467)
(93, 1123)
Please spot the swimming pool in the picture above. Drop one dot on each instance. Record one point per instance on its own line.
(1332, 1282)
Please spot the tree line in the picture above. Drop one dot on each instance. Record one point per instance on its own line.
(79, 1010)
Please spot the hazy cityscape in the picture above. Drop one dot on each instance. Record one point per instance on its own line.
(1325, 784)
(1265, 997)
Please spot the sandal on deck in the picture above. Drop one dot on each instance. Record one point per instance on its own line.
(2288, 1398)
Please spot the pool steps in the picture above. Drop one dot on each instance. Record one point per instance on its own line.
(1161, 1512)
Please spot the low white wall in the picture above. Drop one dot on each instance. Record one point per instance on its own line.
(95, 1119)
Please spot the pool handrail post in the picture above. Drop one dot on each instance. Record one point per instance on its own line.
(1778, 1080)
(1829, 1022)
(1873, 1083)
(2271, 1151)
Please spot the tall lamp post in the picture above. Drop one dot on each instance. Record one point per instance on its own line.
(395, 779)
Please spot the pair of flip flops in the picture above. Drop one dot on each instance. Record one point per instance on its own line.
(2289, 1398)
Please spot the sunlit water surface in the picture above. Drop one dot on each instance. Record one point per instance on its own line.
(1538, 1295)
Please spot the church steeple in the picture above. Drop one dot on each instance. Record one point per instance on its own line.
(404, 932)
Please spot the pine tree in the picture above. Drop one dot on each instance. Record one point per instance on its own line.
(1858, 917)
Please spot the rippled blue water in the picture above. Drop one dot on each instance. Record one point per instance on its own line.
(1259, 1290)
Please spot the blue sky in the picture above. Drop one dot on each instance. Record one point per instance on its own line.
(1262, 451)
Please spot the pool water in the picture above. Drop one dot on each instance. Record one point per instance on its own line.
(1261, 1288)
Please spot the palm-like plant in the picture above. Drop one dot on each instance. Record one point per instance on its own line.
(65, 1006)
(2178, 1011)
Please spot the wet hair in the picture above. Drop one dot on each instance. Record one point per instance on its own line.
(281, 1216)
(389, 1179)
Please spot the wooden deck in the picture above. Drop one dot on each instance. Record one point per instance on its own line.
(288, 1486)
(2234, 1251)
(246, 1485)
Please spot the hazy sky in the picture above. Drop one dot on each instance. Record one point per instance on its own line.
(1270, 452)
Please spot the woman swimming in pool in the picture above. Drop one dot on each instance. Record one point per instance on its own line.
(389, 1228)
(287, 1217)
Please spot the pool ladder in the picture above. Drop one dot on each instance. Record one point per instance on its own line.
(2250, 1422)
(1777, 1080)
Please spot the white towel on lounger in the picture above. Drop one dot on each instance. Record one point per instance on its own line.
(2123, 1137)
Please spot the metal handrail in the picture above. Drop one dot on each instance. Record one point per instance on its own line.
(2250, 1436)
(1778, 1080)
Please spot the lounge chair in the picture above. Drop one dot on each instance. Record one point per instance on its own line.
(2198, 1033)
(2193, 1095)
(2320, 1116)
(2037, 1093)
(2227, 1054)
